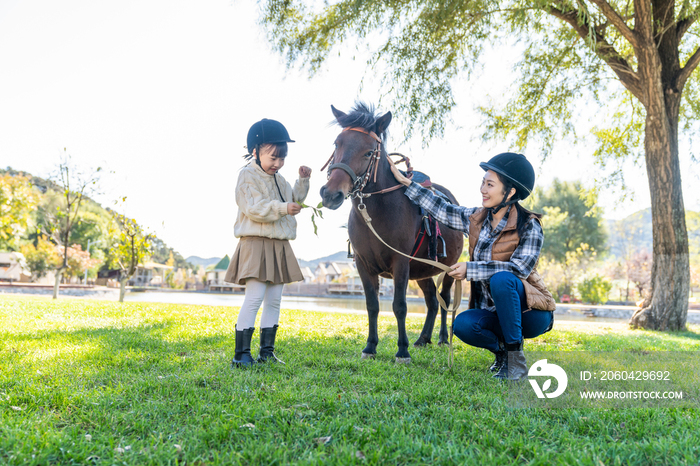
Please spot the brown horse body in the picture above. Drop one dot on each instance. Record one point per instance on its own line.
(396, 220)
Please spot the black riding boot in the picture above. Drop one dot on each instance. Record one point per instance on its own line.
(242, 358)
(515, 366)
(501, 356)
(267, 345)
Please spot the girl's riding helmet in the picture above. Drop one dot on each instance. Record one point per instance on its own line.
(516, 168)
(267, 131)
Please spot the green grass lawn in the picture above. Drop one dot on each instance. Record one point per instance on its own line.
(97, 382)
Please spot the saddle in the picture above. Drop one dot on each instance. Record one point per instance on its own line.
(429, 224)
(428, 221)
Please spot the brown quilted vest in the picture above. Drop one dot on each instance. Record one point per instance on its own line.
(537, 295)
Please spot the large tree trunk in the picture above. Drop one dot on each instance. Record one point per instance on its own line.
(666, 308)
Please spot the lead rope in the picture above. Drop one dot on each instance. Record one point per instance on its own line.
(458, 283)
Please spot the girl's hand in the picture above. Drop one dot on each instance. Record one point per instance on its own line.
(304, 171)
(459, 271)
(397, 174)
(293, 208)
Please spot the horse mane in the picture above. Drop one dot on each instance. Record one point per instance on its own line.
(363, 116)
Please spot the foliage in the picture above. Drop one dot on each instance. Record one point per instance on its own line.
(552, 272)
(78, 260)
(692, 220)
(92, 224)
(594, 290)
(639, 58)
(60, 214)
(570, 52)
(129, 245)
(161, 253)
(315, 212)
(18, 200)
(638, 269)
(695, 271)
(138, 383)
(561, 277)
(571, 217)
(41, 257)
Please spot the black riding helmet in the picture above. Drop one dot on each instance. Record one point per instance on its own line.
(267, 131)
(516, 168)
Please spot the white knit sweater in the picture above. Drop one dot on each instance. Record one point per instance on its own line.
(261, 212)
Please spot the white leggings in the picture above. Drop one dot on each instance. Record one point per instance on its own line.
(256, 293)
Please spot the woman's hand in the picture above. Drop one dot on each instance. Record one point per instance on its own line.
(293, 208)
(304, 172)
(397, 174)
(459, 271)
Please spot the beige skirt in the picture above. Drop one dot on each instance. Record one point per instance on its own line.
(265, 259)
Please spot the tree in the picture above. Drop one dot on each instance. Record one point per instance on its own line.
(41, 256)
(18, 201)
(639, 270)
(78, 260)
(571, 218)
(62, 211)
(571, 51)
(128, 247)
(594, 290)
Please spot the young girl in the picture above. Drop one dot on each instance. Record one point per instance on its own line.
(509, 300)
(264, 260)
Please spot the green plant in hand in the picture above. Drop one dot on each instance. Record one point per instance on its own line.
(316, 212)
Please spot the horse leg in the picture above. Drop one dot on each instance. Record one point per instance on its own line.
(400, 272)
(370, 283)
(428, 287)
(445, 293)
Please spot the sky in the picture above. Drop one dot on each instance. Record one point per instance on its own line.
(160, 95)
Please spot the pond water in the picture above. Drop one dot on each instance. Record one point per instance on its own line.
(353, 303)
(345, 304)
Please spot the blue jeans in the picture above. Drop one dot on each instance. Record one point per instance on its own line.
(483, 329)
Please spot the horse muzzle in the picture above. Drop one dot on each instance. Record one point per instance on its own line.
(331, 199)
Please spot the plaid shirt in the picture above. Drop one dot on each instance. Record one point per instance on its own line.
(480, 268)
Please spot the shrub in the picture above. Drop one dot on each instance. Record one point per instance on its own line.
(594, 290)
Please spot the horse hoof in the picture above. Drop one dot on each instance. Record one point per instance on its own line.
(420, 343)
(368, 355)
(444, 343)
(403, 360)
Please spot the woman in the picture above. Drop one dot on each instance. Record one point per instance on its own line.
(509, 301)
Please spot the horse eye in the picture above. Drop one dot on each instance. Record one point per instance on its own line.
(369, 154)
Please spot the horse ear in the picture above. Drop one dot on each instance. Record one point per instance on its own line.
(383, 122)
(337, 113)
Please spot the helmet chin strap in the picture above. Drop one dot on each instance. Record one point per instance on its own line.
(494, 210)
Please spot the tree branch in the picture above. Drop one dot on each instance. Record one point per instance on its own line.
(604, 50)
(688, 69)
(617, 21)
(683, 26)
(687, 21)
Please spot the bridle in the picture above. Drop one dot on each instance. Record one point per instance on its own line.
(359, 182)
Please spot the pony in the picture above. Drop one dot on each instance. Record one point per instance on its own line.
(359, 169)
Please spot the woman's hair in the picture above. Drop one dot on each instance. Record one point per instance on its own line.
(279, 150)
(523, 213)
